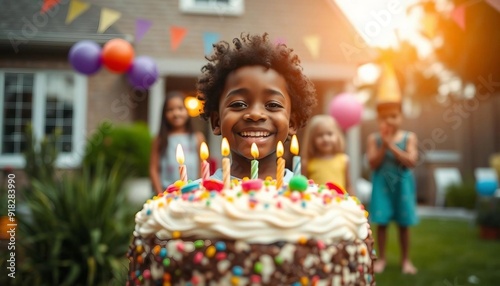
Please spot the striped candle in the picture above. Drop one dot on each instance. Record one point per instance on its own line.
(254, 168)
(205, 166)
(226, 164)
(280, 168)
(180, 159)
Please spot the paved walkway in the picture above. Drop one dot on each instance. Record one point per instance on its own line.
(446, 213)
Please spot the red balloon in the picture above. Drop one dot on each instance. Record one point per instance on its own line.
(117, 55)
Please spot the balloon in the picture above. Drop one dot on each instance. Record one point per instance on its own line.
(143, 72)
(85, 57)
(486, 188)
(117, 55)
(346, 110)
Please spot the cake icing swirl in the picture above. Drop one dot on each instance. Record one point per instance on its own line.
(258, 215)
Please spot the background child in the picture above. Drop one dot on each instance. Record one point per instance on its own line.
(175, 128)
(391, 154)
(255, 91)
(323, 156)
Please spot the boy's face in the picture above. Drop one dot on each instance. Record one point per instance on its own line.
(390, 115)
(254, 107)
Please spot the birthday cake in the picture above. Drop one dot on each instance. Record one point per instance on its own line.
(252, 233)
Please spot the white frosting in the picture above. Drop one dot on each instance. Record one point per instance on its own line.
(274, 217)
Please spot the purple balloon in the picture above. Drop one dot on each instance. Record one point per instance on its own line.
(346, 109)
(143, 73)
(85, 57)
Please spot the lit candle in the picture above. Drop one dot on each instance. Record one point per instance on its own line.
(254, 170)
(179, 154)
(294, 148)
(205, 166)
(226, 164)
(280, 171)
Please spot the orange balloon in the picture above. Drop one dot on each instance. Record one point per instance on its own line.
(117, 55)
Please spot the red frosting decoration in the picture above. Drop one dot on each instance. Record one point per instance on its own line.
(172, 188)
(213, 185)
(336, 188)
(252, 185)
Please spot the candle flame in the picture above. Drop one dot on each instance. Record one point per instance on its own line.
(254, 150)
(225, 147)
(179, 154)
(204, 151)
(294, 146)
(279, 149)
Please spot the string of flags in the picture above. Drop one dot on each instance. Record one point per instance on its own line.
(109, 16)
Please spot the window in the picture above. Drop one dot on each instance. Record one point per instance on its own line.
(49, 100)
(212, 7)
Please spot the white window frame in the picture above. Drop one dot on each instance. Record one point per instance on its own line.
(64, 160)
(233, 8)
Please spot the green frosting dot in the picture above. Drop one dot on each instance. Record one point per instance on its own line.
(199, 243)
(257, 268)
(166, 262)
(298, 183)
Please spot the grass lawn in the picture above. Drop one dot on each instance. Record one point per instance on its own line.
(446, 253)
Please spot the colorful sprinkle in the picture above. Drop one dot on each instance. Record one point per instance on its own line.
(255, 278)
(220, 246)
(235, 280)
(210, 252)
(198, 257)
(139, 248)
(166, 262)
(156, 249)
(302, 240)
(146, 274)
(304, 280)
(237, 270)
(163, 252)
(278, 260)
(251, 185)
(176, 234)
(320, 244)
(199, 243)
(220, 256)
(257, 267)
(180, 246)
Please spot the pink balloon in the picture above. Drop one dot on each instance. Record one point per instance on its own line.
(346, 109)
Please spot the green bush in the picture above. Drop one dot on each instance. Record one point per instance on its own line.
(461, 195)
(78, 230)
(128, 143)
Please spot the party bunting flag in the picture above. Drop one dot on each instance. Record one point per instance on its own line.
(108, 18)
(209, 38)
(177, 35)
(458, 15)
(312, 43)
(494, 3)
(141, 28)
(76, 8)
(48, 4)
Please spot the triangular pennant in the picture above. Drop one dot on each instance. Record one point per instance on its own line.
(494, 3)
(48, 4)
(177, 35)
(312, 43)
(76, 8)
(209, 38)
(458, 15)
(388, 90)
(141, 28)
(108, 18)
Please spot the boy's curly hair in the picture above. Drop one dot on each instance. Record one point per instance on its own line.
(251, 50)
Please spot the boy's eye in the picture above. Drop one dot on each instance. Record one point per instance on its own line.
(274, 105)
(238, 104)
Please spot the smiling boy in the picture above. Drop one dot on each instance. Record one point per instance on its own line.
(255, 91)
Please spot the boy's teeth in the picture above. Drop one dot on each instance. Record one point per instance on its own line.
(254, 134)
